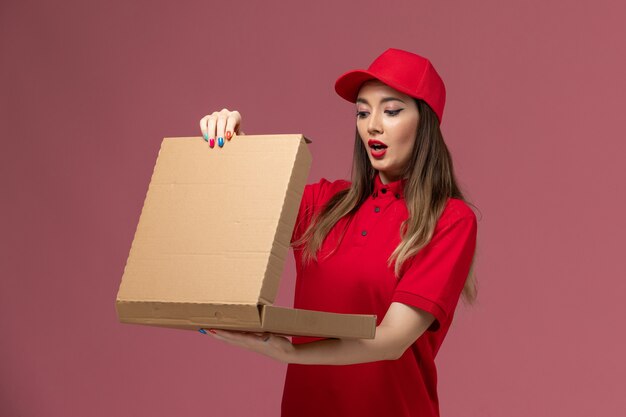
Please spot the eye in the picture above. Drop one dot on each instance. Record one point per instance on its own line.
(361, 114)
(393, 112)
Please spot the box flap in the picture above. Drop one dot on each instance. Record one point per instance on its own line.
(299, 322)
(189, 315)
(214, 228)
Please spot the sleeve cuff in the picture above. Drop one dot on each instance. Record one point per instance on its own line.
(424, 304)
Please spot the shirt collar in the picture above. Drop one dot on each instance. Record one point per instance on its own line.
(393, 189)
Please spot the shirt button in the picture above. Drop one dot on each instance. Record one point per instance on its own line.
(364, 232)
(384, 190)
(376, 209)
(397, 195)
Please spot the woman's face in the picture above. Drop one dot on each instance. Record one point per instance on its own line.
(389, 118)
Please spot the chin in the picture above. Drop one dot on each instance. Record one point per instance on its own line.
(379, 166)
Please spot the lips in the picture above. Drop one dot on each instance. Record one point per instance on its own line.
(376, 144)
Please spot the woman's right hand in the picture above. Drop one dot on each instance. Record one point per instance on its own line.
(219, 125)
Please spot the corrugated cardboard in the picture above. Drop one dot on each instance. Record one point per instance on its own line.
(212, 239)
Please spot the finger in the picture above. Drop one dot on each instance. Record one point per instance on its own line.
(263, 337)
(233, 124)
(211, 122)
(203, 127)
(220, 128)
(236, 337)
(243, 335)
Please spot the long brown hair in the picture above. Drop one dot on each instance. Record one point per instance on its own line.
(430, 182)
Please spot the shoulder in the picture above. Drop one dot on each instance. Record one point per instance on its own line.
(320, 192)
(456, 210)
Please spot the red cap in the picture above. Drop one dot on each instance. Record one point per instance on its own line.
(405, 71)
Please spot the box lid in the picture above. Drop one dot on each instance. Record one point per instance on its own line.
(217, 223)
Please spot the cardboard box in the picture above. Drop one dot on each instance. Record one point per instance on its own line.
(212, 239)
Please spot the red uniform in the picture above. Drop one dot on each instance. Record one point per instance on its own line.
(356, 279)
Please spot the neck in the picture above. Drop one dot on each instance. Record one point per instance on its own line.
(386, 178)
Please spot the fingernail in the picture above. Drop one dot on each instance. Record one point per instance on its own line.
(206, 137)
(228, 135)
(220, 141)
(212, 331)
(212, 142)
(202, 331)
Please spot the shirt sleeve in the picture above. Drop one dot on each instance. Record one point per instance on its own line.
(301, 219)
(435, 276)
(308, 205)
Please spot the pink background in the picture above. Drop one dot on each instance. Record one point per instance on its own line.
(534, 120)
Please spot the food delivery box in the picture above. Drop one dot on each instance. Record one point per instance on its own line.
(212, 238)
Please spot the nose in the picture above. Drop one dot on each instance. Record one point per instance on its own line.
(374, 125)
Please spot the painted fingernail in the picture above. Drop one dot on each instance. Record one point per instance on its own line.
(212, 142)
(228, 135)
(202, 331)
(220, 141)
(206, 137)
(212, 331)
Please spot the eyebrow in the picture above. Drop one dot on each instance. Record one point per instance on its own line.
(383, 100)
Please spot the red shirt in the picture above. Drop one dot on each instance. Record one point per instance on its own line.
(356, 279)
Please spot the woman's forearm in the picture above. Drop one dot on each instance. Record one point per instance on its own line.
(346, 351)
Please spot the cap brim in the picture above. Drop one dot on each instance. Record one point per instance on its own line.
(348, 84)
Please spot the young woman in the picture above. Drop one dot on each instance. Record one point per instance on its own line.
(397, 241)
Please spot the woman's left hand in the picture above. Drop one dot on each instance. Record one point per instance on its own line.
(268, 344)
